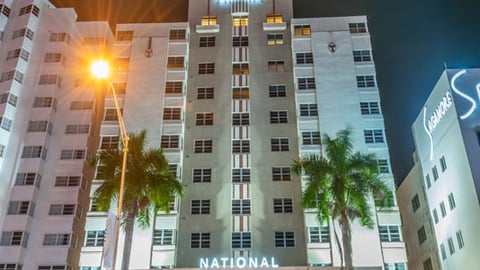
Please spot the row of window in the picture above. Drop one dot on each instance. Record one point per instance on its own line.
(240, 175)
(305, 29)
(443, 167)
(12, 266)
(174, 34)
(20, 238)
(443, 209)
(36, 151)
(282, 239)
(451, 245)
(241, 207)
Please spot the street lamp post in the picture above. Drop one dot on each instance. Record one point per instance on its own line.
(100, 70)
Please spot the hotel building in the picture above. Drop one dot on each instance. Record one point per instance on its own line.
(446, 135)
(233, 95)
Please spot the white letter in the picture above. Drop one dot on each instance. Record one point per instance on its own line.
(241, 262)
(224, 262)
(455, 89)
(214, 263)
(264, 263)
(203, 263)
(273, 263)
(252, 263)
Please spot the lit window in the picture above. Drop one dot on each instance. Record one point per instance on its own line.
(276, 66)
(282, 205)
(279, 144)
(367, 108)
(171, 113)
(308, 110)
(357, 27)
(275, 39)
(209, 20)
(306, 83)
(319, 234)
(241, 239)
(285, 239)
(200, 207)
(274, 18)
(302, 30)
(205, 93)
(175, 62)
(240, 68)
(163, 237)
(203, 146)
(241, 175)
(240, 21)
(240, 146)
(389, 233)
(125, 35)
(241, 207)
(178, 34)
(311, 138)
(241, 93)
(204, 119)
(94, 238)
(365, 81)
(304, 58)
(362, 56)
(206, 68)
(200, 240)
(278, 117)
(277, 90)
(241, 41)
(240, 119)
(373, 136)
(281, 174)
(170, 141)
(202, 175)
(10, 266)
(207, 42)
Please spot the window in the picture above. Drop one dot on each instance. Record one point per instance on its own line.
(374, 136)
(205, 93)
(207, 42)
(61, 209)
(240, 68)
(357, 27)
(281, 173)
(277, 90)
(175, 62)
(26, 179)
(364, 81)
(121, 64)
(206, 68)
(56, 239)
(77, 129)
(43, 102)
(10, 266)
(279, 144)
(282, 205)
(389, 233)
(171, 113)
(200, 240)
(5, 11)
(319, 234)
(427, 180)
(24, 32)
(209, 20)
(304, 58)
(240, 119)
(306, 83)
(81, 105)
(362, 56)
(124, 35)
(278, 117)
(7, 76)
(241, 239)
(72, 154)
(240, 21)
(275, 39)
(173, 87)
(460, 241)
(204, 119)
(58, 267)
(203, 146)
(14, 238)
(241, 41)
(163, 237)
(241, 146)
(109, 142)
(30, 8)
(2, 149)
(241, 175)
(5, 123)
(427, 264)
(202, 175)
(39, 126)
(241, 207)
(241, 93)
(382, 165)
(415, 203)
(451, 245)
(60, 37)
(21, 208)
(443, 163)
(443, 209)
(422, 236)
(94, 238)
(285, 239)
(443, 251)
(302, 30)
(311, 138)
(52, 58)
(13, 54)
(369, 108)
(435, 216)
(68, 181)
(91, 268)
(32, 151)
(274, 18)
(92, 41)
(177, 34)
(276, 66)
(170, 141)
(451, 201)
(395, 266)
(200, 207)
(435, 173)
(308, 110)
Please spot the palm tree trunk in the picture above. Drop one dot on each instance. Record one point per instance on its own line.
(340, 249)
(347, 240)
(129, 226)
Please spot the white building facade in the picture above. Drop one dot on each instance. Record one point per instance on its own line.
(446, 139)
(233, 95)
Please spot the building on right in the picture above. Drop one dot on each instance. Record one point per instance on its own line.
(447, 140)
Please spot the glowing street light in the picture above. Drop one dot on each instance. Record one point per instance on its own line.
(100, 69)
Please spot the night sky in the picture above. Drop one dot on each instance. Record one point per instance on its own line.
(412, 42)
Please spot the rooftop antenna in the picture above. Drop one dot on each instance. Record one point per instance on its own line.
(273, 6)
(208, 10)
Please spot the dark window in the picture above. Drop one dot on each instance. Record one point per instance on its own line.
(202, 175)
(311, 138)
(277, 90)
(200, 207)
(364, 81)
(415, 203)
(278, 117)
(362, 56)
(206, 68)
(203, 146)
(204, 119)
(308, 110)
(369, 108)
(422, 235)
(163, 237)
(241, 239)
(285, 239)
(302, 30)
(435, 173)
(177, 34)
(240, 68)
(174, 87)
(279, 144)
(443, 163)
(171, 113)
(241, 146)
(241, 207)
(207, 42)
(306, 83)
(282, 205)
(304, 58)
(374, 136)
(170, 141)
(281, 174)
(241, 119)
(241, 41)
(319, 234)
(357, 27)
(205, 93)
(241, 175)
(200, 240)
(389, 233)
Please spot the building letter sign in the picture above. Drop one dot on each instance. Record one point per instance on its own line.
(241, 262)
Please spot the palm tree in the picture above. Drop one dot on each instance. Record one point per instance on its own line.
(340, 186)
(149, 185)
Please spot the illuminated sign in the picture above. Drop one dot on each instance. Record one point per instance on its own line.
(233, 1)
(241, 262)
(445, 103)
